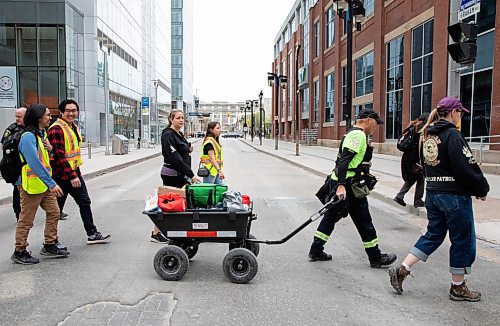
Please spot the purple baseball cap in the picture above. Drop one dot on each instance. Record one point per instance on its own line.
(450, 104)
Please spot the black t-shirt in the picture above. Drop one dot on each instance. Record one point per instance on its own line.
(208, 147)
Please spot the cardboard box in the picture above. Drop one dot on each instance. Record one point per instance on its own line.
(166, 189)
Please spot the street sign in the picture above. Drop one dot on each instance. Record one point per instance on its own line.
(145, 105)
(469, 8)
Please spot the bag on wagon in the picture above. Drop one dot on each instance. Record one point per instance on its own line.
(204, 195)
(171, 202)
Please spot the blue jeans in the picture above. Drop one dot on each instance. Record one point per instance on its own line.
(453, 214)
(213, 179)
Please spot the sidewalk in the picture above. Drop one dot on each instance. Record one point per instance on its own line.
(320, 161)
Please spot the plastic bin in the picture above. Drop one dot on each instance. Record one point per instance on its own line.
(120, 145)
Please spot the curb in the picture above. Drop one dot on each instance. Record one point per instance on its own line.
(95, 174)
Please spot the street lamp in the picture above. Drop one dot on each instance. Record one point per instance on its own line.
(275, 80)
(156, 83)
(260, 116)
(355, 15)
(108, 44)
(250, 103)
(245, 126)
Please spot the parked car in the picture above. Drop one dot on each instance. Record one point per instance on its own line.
(232, 135)
(200, 134)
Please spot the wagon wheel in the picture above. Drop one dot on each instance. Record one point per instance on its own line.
(240, 265)
(252, 246)
(191, 248)
(171, 263)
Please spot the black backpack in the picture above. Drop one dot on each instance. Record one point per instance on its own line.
(11, 165)
(406, 142)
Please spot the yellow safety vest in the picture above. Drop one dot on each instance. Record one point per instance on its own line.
(71, 143)
(205, 159)
(31, 183)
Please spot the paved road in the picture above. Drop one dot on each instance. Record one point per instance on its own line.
(288, 290)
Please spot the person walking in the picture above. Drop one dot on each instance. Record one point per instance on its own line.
(66, 161)
(411, 169)
(14, 128)
(37, 188)
(353, 158)
(176, 170)
(452, 176)
(211, 154)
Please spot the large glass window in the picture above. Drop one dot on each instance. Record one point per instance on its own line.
(283, 93)
(177, 30)
(306, 41)
(26, 39)
(305, 103)
(28, 86)
(291, 84)
(176, 16)
(364, 75)
(49, 87)
(7, 46)
(316, 100)
(316, 39)
(344, 88)
(421, 69)
(176, 4)
(369, 7)
(329, 27)
(48, 46)
(394, 100)
(329, 98)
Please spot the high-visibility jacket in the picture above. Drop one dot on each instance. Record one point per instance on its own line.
(205, 159)
(71, 143)
(31, 183)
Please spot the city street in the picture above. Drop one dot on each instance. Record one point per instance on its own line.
(287, 290)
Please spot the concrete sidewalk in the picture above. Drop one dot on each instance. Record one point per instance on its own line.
(320, 161)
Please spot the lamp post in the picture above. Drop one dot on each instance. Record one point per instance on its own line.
(355, 14)
(105, 42)
(275, 80)
(245, 126)
(156, 84)
(252, 120)
(260, 116)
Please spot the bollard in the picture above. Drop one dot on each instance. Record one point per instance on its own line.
(89, 150)
(481, 152)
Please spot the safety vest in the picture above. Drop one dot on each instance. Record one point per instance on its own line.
(205, 159)
(71, 143)
(31, 183)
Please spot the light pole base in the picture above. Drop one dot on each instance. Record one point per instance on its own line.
(297, 149)
(276, 143)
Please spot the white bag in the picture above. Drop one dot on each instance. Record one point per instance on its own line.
(151, 203)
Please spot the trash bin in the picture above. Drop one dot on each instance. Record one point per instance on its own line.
(120, 144)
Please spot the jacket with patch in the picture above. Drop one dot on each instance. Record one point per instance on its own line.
(448, 163)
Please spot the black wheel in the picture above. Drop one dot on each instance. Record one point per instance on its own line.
(252, 246)
(191, 248)
(240, 265)
(171, 263)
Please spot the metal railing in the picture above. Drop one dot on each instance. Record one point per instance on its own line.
(482, 144)
(309, 136)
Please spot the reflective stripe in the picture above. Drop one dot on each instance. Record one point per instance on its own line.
(371, 244)
(321, 235)
(201, 234)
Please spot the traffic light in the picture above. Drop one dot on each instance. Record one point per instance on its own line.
(464, 51)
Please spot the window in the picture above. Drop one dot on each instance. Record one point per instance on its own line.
(305, 103)
(291, 83)
(283, 92)
(394, 100)
(360, 107)
(329, 95)
(316, 100)
(329, 27)
(28, 86)
(176, 29)
(294, 24)
(344, 92)
(421, 69)
(316, 39)
(306, 41)
(364, 75)
(176, 59)
(176, 43)
(369, 7)
(176, 16)
(176, 4)
(7, 46)
(27, 49)
(176, 72)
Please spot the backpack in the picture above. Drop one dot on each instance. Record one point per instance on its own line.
(11, 165)
(406, 140)
(204, 195)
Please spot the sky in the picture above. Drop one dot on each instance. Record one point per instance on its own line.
(233, 47)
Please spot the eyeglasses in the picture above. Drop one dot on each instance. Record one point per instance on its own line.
(70, 111)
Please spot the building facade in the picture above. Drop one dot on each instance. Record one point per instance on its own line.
(55, 49)
(400, 67)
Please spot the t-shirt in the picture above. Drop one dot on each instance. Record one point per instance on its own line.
(208, 147)
(356, 142)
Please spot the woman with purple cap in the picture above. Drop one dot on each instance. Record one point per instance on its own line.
(452, 176)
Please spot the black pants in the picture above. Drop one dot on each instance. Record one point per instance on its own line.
(360, 215)
(419, 188)
(173, 181)
(16, 201)
(82, 199)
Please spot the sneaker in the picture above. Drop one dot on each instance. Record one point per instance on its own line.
(397, 275)
(63, 216)
(323, 256)
(399, 201)
(419, 203)
(24, 258)
(462, 293)
(98, 238)
(52, 251)
(384, 260)
(158, 238)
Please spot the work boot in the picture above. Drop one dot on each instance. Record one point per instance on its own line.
(322, 256)
(462, 293)
(52, 251)
(397, 276)
(399, 201)
(383, 260)
(24, 258)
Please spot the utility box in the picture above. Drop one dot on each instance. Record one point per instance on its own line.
(120, 145)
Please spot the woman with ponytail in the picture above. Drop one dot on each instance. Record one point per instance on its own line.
(452, 176)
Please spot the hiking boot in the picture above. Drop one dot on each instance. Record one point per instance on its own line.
(24, 258)
(419, 203)
(322, 256)
(462, 293)
(63, 216)
(52, 251)
(397, 275)
(384, 260)
(399, 201)
(97, 238)
(158, 238)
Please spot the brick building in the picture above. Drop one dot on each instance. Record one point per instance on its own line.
(401, 67)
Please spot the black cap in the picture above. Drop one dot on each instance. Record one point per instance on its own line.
(369, 113)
